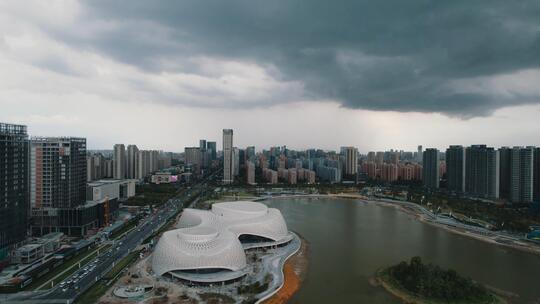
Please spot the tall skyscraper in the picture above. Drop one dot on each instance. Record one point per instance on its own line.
(250, 153)
(131, 168)
(119, 161)
(455, 168)
(211, 146)
(351, 160)
(430, 173)
(379, 158)
(236, 162)
(536, 173)
(154, 160)
(143, 164)
(505, 171)
(250, 172)
(202, 145)
(419, 156)
(95, 167)
(14, 200)
(482, 171)
(521, 178)
(193, 157)
(228, 157)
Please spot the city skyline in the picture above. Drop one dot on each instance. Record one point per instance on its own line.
(102, 71)
(283, 151)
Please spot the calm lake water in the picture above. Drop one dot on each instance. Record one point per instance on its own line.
(349, 240)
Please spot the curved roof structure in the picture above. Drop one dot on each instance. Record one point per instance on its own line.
(209, 240)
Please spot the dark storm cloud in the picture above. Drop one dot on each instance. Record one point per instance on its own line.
(379, 55)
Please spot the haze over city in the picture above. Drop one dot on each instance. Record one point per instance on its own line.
(373, 75)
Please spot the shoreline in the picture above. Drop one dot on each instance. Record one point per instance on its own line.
(294, 274)
(406, 297)
(530, 248)
(418, 215)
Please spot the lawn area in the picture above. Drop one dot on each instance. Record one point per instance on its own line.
(92, 295)
(125, 262)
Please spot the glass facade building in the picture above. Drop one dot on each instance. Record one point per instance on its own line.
(14, 201)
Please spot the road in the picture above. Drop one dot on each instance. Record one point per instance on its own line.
(83, 279)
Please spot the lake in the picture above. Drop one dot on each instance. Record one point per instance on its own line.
(350, 239)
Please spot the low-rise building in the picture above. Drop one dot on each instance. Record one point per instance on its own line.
(120, 189)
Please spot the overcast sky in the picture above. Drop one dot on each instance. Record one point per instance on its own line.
(302, 73)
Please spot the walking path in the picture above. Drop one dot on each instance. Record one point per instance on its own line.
(273, 265)
(295, 270)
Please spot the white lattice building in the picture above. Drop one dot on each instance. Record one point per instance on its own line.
(208, 246)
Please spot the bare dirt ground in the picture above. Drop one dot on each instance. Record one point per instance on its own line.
(295, 270)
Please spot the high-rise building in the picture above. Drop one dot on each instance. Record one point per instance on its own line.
(14, 200)
(57, 182)
(430, 163)
(309, 176)
(351, 160)
(394, 158)
(379, 158)
(131, 168)
(406, 172)
(95, 167)
(250, 172)
(165, 159)
(192, 155)
(270, 175)
(536, 173)
(521, 177)
(250, 153)
(57, 172)
(482, 171)
(292, 176)
(143, 164)
(371, 156)
(228, 157)
(505, 171)
(109, 168)
(202, 145)
(90, 168)
(119, 161)
(419, 156)
(154, 160)
(389, 172)
(455, 168)
(236, 161)
(211, 146)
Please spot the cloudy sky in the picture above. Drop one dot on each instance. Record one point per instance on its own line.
(301, 73)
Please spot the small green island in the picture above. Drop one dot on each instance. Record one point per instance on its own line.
(416, 282)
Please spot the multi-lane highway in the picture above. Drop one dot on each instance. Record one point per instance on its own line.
(83, 279)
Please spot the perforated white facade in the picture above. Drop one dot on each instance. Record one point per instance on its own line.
(210, 239)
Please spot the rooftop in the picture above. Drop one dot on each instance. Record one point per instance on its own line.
(12, 129)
